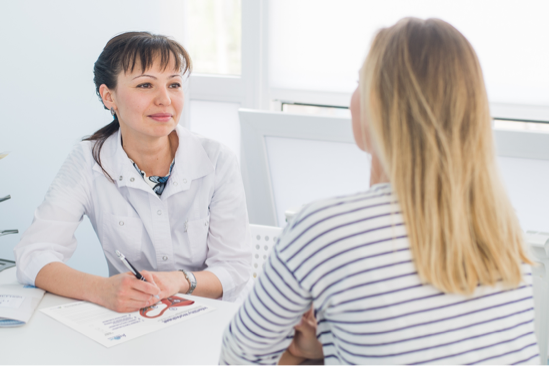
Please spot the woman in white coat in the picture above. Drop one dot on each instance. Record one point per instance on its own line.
(171, 201)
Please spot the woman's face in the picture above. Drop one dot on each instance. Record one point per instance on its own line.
(360, 129)
(148, 102)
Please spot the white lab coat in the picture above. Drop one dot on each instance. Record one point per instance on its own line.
(200, 221)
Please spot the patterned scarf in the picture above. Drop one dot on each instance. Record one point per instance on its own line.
(155, 182)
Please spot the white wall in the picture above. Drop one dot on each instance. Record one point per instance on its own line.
(47, 96)
(218, 121)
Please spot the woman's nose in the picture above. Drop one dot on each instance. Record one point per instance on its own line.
(163, 97)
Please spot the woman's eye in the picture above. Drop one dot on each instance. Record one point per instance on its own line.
(144, 85)
(175, 85)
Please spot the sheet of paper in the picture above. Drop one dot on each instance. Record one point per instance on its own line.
(11, 301)
(111, 328)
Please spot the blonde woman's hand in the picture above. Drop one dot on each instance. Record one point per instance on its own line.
(305, 344)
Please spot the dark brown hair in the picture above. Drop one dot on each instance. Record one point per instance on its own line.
(121, 54)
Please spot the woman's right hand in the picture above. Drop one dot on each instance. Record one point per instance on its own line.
(305, 343)
(124, 293)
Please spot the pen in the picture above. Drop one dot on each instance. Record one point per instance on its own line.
(132, 269)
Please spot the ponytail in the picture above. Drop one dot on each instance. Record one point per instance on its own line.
(100, 136)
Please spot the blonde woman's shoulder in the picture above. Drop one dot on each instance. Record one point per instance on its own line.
(339, 205)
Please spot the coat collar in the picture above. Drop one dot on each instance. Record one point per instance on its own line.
(191, 162)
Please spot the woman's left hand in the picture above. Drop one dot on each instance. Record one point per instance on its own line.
(169, 283)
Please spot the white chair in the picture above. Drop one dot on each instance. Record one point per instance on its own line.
(539, 248)
(263, 239)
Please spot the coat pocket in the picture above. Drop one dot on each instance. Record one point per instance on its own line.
(198, 239)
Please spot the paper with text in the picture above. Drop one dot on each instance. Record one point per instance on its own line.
(11, 301)
(18, 303)
(111, 328)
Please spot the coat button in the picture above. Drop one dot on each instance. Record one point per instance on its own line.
(132, 179)
(175, 183)
(121, 177)
(159, 212)
(121, 223)
(165, 257)
(184, 181)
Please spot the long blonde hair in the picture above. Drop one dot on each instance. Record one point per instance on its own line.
(425, 103)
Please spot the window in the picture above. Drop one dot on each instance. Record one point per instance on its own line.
(315, 47)
(303, 56)
(215, 36)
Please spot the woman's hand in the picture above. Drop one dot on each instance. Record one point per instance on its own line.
(124, 293)
(169, 283)
(305, 344)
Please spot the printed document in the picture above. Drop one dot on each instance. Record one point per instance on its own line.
(111, 328)
(18, 303)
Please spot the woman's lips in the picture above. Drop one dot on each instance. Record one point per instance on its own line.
(161, 117)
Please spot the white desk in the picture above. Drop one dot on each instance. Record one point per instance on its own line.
(46, 341)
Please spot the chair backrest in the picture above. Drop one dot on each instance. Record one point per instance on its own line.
(263, 239)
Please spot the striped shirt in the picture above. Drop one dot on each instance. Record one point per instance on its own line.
(350, 257)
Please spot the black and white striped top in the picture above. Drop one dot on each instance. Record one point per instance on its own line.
(350, 257)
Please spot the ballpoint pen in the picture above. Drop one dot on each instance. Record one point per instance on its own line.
(6, 232)
(2, 199)
(132, 269)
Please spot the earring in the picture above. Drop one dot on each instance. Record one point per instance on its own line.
(112, 111)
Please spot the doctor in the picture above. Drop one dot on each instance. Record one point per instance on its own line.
(170, 200)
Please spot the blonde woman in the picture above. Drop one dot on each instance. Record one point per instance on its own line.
(429, 265)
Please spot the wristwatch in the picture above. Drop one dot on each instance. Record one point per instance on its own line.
(191, 279)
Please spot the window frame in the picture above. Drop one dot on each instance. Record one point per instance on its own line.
(248, 88)
(251, 89)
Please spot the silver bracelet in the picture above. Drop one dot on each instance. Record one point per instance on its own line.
(191, 279)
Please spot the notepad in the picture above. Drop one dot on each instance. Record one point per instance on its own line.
(18, 303)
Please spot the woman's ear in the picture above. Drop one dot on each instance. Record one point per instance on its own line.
(107, 97)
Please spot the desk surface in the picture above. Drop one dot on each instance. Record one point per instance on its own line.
(46, 341)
